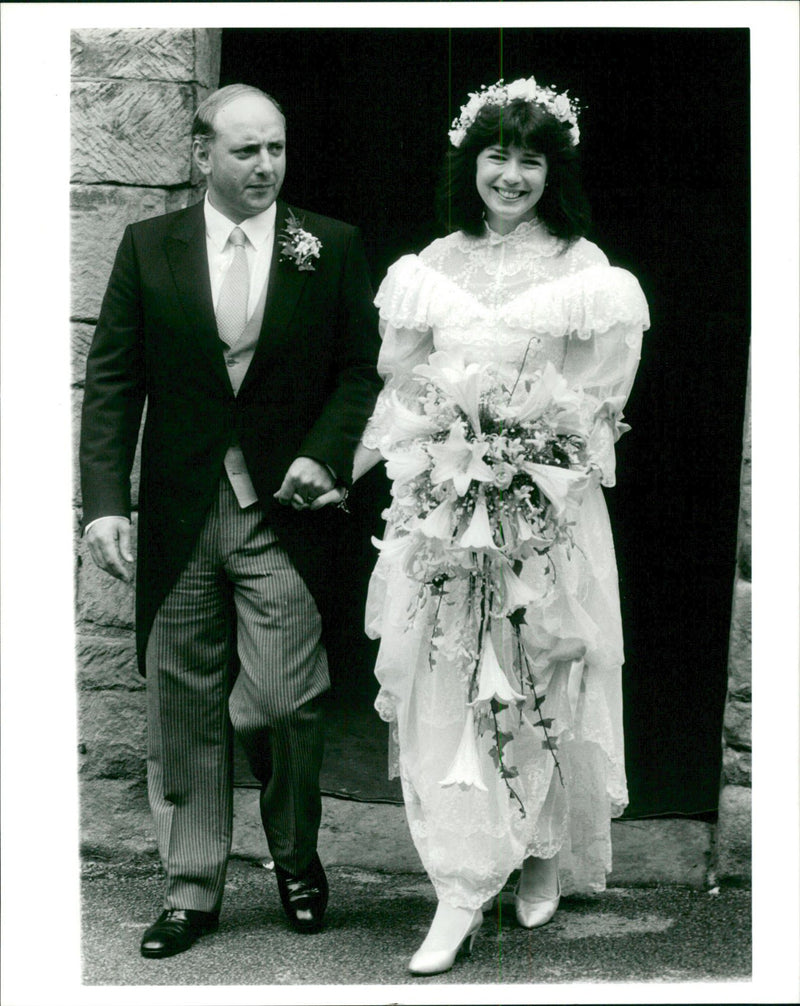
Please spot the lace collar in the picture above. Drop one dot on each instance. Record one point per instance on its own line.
(524, 230)
(531, 237)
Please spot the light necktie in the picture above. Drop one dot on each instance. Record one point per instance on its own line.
(235, 292)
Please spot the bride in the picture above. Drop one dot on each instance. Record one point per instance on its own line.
(509, 349)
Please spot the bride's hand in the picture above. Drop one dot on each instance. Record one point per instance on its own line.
(334, 497)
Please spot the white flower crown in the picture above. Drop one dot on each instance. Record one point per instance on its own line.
(560, 106)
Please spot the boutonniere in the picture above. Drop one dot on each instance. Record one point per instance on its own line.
(298, 245)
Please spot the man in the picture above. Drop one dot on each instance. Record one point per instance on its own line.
(249, 331)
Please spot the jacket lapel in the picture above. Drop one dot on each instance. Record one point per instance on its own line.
(185, 248)
(285, 285)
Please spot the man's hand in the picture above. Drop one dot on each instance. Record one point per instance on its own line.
(109, 541)
(307, 485)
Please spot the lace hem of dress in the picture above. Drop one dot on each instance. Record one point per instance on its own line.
(470, 861)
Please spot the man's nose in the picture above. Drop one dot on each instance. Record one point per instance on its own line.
(264, 165)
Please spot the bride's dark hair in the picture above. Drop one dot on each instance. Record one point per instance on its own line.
(563, 207)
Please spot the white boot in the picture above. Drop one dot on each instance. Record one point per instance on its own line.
(451, 929)
(542, 892)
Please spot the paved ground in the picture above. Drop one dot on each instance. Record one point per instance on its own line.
(377, 920)
(658, 923)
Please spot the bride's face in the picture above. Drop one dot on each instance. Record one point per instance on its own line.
(510, 182)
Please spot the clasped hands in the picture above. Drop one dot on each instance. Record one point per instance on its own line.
(307, 485)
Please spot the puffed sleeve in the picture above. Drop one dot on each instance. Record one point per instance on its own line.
(605, 340)
(403, 300)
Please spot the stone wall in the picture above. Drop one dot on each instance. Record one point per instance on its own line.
(733, 839)
(134, 93)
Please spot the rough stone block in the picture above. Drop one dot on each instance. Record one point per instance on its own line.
(115, 819)
(177, 54)
(113, 729)
(740, 644)
(669, 851)
(80, 341)
(376, 836)
(116, 826)
(208, 53)
(736, 767)
(108, 663)
(99, 215)
(737, 725)
(77, 402)
(734, 834)
(136, 133)
(103, 600)
(744, 558)
(745, 532)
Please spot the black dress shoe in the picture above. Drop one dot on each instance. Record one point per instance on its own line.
(304, 898)
(175, 930)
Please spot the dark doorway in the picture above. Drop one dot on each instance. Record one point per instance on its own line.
(665, 144)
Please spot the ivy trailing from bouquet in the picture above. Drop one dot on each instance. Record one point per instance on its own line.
(486, 478)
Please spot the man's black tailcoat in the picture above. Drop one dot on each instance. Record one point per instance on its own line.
(309, 390)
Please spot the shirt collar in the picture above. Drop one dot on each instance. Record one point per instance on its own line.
(219, 227)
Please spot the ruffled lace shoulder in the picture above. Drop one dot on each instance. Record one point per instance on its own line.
(588, 302)
(526, 280)
(405, 295)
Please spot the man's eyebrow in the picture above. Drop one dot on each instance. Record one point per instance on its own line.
(255, 144)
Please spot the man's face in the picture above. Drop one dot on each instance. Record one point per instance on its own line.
(245, 161)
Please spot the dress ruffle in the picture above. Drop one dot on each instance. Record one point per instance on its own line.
(583, 304)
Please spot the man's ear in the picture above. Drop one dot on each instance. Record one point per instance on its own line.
(200, 154)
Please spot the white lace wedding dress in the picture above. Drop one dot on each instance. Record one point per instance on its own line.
(493, 298)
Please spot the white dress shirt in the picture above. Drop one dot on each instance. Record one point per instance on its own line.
(260, 233)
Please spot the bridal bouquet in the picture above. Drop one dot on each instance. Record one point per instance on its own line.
(485, 471)
(486, 474)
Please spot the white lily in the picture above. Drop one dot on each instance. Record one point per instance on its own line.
(514, 592)
(458, 379)
(562, 486)
(439, 522)
(460, 460)
(492, 681)
(550, 389)
(406, 424)
(478, 535)
(465, 769)
(405, 465)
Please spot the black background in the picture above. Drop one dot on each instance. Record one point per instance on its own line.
(665, 147)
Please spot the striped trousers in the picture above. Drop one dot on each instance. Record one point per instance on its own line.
(239, 589)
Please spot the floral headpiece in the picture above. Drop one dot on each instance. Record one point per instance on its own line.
(560, 106)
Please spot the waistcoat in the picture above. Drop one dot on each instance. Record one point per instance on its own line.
(237, 360)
